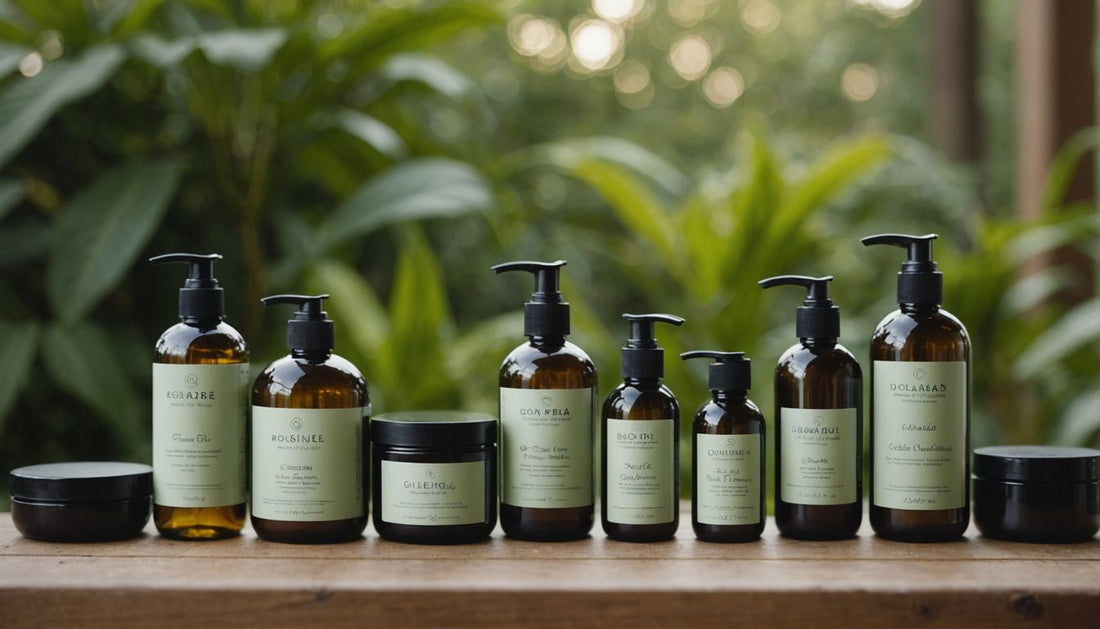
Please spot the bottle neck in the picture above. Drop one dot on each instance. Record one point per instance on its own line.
(312, 356)
(642, 383)
(202, 323)
(723, 397)
(818, 343)
(548, 343)
(919, 309)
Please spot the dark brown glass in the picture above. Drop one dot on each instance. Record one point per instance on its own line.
(547, 363)
(641, 400)
(313, 380)
(199, 342)
(818, 374)
(920, 333)
(728, 413)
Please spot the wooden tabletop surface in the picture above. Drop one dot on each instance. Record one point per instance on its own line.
(863, 582)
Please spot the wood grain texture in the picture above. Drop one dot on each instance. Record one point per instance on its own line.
(861, 582)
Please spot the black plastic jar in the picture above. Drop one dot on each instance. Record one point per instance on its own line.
(92, 501)
(1037, 493)
(434, 476)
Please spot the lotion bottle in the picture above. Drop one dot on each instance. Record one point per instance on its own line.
(547, 404)
(727, 454)
(640, 430)
(818, 423)
(309, 446)
(200, 394)
(920, 407)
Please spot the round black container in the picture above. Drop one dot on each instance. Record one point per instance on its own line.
(1037, 493)
(91, 501)
(434, 476)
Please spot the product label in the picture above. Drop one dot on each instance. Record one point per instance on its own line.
(433, 494)
(920, 435)
(641, 472)
(727, 481)
(199, 434)
(818, 454)
(307, 463)
(546, 447)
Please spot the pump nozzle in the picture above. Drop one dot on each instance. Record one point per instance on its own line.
(547, 313)
(919, 281)
(309, 330)
(200, 298)
(817, 317)
(642, 357)
(730, 371)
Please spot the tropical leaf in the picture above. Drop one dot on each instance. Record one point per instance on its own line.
(18, 342)
(363, 318)
(567, 154)
(22, 241)
(161, 52)
(247, 50)
(375, 133)
(1078, 328)
(102, 230)
(1080, 422)
(10, 56)
(431, 72)
(11, 193)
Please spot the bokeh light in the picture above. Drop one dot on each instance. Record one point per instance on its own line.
(617, 10)
(690, 57)
(595, 43)
(893, 9)
(541, 40)
(688, 13)
(859, 82)
(723, 87)
(761, 16)
(30, 65)
(631, 77)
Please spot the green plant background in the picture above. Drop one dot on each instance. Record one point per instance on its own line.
(389, 152)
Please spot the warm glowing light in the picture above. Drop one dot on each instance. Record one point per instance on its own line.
(530, 35)
(690, 12)
(723, 86)
(690, 57)
(761, 16)
(859, 82)
(30, 65)
(890, 8)
(595, 43)
(617, 10)
(631, 77)
(330, 25)
(51, 45)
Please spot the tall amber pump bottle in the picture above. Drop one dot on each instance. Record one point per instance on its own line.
(818, 422)
(200, 396)
(920, 407)
(309, 443)
(728, 466)
(547, 404)
(640, 445)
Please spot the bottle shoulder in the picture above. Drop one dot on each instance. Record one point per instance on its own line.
(931, 336)
(729, 416)
(801, 361)
(185, 343)
(628, 401)
(530, 366)
(299, 383)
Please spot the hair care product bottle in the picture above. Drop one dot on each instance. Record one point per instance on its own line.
(818, 423)
(309, 446)
(727, 455)
(640, 430)
(200, 397)
(920, 407)
(547, 404)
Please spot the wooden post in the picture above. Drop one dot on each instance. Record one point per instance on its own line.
(956, 120)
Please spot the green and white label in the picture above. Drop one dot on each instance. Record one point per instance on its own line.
(199, 434)
(546, 447)
(433, 494)
(818, 454)
(727, 481)
(307, 463)
(919, 445)
(641, 473)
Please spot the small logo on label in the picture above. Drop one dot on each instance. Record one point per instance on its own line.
(729, 442)
(296, 423)
(919, 374)
(819, 420)
(546, 401)
(431, 474)
(191, 380)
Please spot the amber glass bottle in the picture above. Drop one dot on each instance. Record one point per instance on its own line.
(547, 403)
(640, 445)
(728, 466)
(920, 407)
(309, 446)
(200, 384)
(818, 423)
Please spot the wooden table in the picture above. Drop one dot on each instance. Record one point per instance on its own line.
(864, 582)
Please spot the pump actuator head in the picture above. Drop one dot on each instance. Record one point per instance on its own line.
(642, 357)
(817, 317)
(310, 329)
(547, 314)
(919, 281)
(730, 371)
(200, 297)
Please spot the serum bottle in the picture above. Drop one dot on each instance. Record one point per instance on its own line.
(200, 393)
(308, 440)
(818, 423)
(920, 407)
(727, 454)
(547, 404)
(640, 430)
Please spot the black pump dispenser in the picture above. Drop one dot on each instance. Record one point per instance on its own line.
(200, 298)
(919, 281)
(547, 314)
(730, 371)
(642, 357)
(309, 330)
(817, 317)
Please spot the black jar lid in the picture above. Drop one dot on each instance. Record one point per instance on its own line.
(434, 429)
(1042, 464)
(86, 481)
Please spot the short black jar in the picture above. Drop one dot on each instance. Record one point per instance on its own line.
(92, 501)
(1037, 493)
(434, 476)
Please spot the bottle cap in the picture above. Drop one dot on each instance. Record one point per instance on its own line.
(919, 281)
(200, 297)
(310, 329)
(547, 313)
(730, 371)
(642, 357)
(817, 317)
